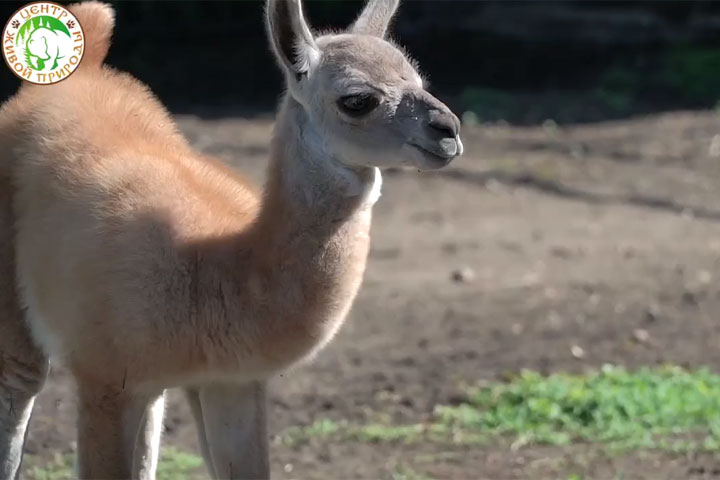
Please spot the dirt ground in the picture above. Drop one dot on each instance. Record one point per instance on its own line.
(576, 237)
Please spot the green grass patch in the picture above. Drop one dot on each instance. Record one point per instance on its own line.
(59, 468)
(174, 464)
(666, 408)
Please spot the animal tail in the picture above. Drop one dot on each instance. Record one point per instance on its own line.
(97, 20)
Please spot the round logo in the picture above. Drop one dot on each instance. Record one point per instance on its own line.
(43, 43)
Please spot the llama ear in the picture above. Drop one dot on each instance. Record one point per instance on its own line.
(290, 36)
(375, 18)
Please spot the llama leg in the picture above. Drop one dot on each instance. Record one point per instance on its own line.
(23, 369)
(23, 366)
(236, 430)
(193, 397)
(110, 422)
(13, 431)
(147, 446)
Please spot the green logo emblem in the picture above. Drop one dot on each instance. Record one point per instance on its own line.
(43, 43)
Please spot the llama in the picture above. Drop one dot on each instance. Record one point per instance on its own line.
(143, 265)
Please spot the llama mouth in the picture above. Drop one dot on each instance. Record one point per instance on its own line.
(434, 158)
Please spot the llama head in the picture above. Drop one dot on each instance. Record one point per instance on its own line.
(363, 97)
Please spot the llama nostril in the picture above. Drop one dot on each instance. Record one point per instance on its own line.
(447, 123)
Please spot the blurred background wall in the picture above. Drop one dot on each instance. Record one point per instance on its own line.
(519, 61)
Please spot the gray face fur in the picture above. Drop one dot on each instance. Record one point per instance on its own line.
(362, 96)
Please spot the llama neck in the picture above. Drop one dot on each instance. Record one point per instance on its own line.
(313, 228)
(297, 270)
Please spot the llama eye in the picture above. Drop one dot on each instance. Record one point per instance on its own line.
(358, 105)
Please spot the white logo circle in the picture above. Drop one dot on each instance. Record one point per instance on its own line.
(43, 43)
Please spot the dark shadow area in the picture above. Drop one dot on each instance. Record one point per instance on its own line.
(518, 61)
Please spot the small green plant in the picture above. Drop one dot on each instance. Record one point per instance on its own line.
(319, 429)
(387, 433)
